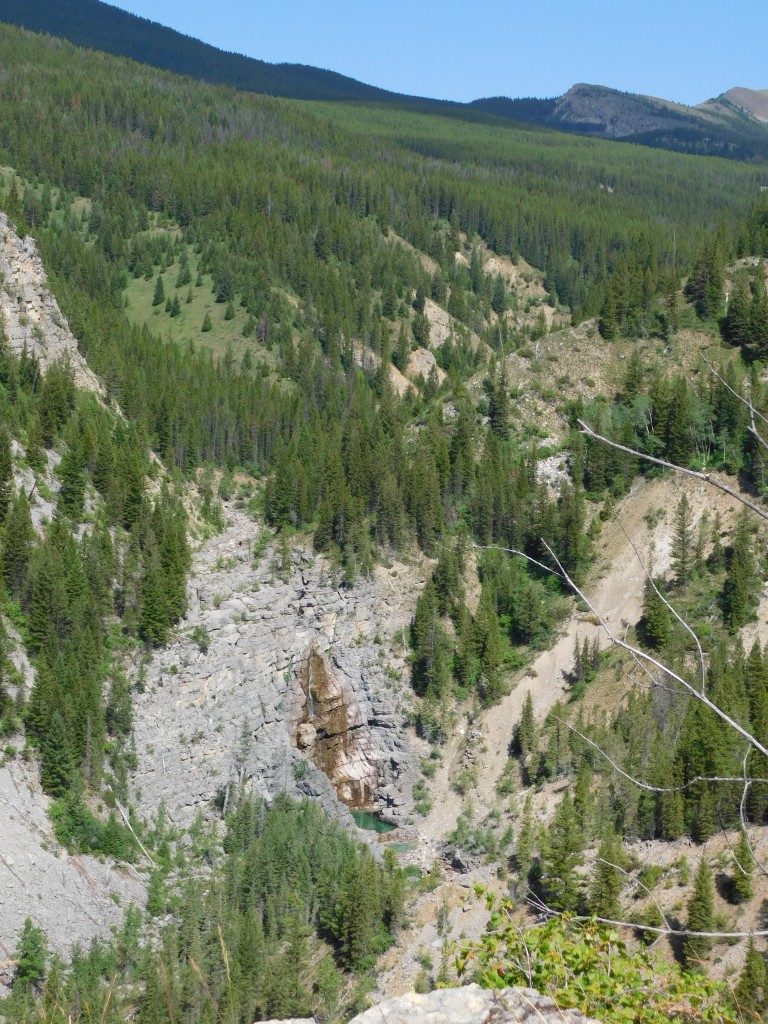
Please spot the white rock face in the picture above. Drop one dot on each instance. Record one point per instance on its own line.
(471, 1005)
(468, 1005)
(31, 315)
(243, 710)
(71, 898)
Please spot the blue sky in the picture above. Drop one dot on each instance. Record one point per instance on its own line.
(465, 50)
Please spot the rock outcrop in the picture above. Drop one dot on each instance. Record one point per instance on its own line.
(72, 898)
(279, 680)
(468, 1005)
(335, 729)
(30, 313)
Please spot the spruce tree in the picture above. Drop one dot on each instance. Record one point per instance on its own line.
(525, 842)
(743, 864)
(6, 473)
(30, 958)
(751, 991)
(607, 879)
(682, 543)
(700, 917)
(561, 855)
(159, 297)
(740, 586)
(527, 732)
(657, 618)
(17, 545)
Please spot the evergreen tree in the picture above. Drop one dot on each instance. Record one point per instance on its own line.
(743, 864)
(31, 957)
(700, 917)
(71, 473)
(6, 473)
(17, 545)
(657, 619)
(737, 324)
(741, 578)
(524, 849)
(527, 732)
(159, 297)
(561, 855)
(607, 879)
(499, 405)
(682, 543)
(752, 988)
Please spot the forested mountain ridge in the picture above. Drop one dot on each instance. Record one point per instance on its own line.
(359, 342)
(730, 125)
(101, 26)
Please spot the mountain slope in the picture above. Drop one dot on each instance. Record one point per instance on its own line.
(100, 26)
(733, 125)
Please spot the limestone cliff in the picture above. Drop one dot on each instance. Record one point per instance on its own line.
(278, 680)
(30, 314)
(468, 1005)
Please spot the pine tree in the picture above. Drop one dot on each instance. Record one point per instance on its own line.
(561, 855)
(751, 991)
(743, 863)
(17, 545)
(737, 324)
(704, 823)
(527, 733)
(740, 586)
(499, 404)
(607, 880)
(682, 543)
(159, 297)
(525, 842)
(6, 473)
(700, 917)
(657, 619)
(30, 957)
(153, 609)
(56, 757)
(71, 473)
(207, 324)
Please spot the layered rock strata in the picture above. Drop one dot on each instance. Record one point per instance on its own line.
(229, 702)
(30, 314)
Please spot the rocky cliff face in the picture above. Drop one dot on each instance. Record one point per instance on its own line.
(335, 730)
(278, 680)
(468, 1005)
(30, 314)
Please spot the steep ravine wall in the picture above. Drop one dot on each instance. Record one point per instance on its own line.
(333, 730)
(241, 712)
(30, 314)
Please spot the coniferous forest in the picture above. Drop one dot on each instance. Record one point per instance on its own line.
(250, 277)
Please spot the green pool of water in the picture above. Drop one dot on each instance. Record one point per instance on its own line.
(401, 847)
(371, 822)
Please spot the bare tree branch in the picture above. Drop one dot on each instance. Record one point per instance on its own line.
(748, 402)
(667, 604)
(646, 785)
(543, 908)
(730, 722)
(707, 478)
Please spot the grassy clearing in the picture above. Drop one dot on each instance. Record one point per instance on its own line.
(225, 335)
